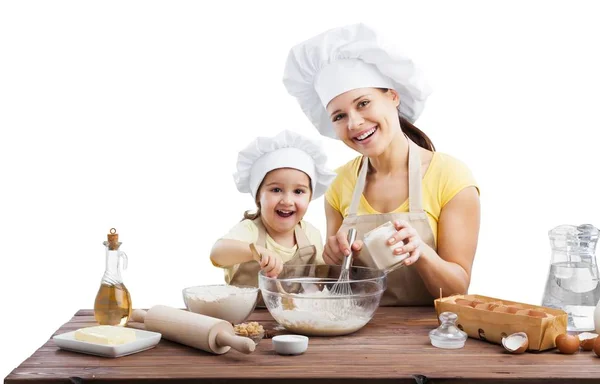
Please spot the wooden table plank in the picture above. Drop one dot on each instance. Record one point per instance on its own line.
(393, 347)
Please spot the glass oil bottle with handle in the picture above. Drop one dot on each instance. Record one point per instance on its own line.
(113, 301)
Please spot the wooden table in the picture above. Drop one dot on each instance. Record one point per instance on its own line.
(393, 348)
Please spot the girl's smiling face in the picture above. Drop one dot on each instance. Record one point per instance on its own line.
(366, 119)
(284, 197)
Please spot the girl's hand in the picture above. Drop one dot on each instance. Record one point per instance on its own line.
(411, 239)
(337, 247)
(271, 263)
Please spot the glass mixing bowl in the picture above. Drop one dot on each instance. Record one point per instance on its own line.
(305, 299)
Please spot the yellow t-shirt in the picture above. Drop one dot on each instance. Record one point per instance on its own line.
(444, 178)
(247, 232)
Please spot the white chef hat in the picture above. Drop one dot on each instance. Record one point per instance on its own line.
(286, 150)
(339, 60)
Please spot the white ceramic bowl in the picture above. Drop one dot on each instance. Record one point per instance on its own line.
(229, 303)
(290, 344)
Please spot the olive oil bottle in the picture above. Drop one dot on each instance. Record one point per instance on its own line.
(113, 301)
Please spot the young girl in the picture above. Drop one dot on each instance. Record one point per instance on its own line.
(282, 174)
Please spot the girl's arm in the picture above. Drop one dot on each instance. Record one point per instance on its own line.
(227, 252)
(233, 248)
(458, 231)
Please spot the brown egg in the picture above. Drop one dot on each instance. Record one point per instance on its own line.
(587, 340)
(501, 308)
(567, 344)
(465, 302)
(512, 309)
(597, 346)
(531, 313)
(534, 313)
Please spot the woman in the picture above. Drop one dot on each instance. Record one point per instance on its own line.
(367, 95)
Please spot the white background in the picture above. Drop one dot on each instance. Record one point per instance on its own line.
(131, 114)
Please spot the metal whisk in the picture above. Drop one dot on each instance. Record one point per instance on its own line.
(342, 286)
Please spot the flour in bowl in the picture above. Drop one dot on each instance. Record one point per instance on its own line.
(322, 313)
(227, 302)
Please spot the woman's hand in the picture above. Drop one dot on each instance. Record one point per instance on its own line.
(270, 262)
(411, 240)
(337, 248)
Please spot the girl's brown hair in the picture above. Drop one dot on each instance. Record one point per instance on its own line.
(415, 134)
(248, 215)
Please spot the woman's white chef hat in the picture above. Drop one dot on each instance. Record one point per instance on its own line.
(339, 60)
(286, 150)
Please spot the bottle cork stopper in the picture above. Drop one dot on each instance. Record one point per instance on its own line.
(113, 239)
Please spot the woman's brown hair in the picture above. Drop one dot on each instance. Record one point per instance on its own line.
(415, 134)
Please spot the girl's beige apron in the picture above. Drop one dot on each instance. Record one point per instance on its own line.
(404, 285)
(247, 273)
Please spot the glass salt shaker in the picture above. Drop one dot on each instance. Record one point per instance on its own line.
(448, 335)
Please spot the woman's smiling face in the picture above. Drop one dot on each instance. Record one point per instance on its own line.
(365, 119)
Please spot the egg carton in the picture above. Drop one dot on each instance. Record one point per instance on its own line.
(491, 319)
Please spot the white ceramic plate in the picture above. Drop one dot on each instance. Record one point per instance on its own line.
(144, 340)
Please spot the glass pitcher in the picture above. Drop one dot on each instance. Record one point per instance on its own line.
(572, 283)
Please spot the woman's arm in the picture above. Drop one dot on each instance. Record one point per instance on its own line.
(334, 220)
(332, 253)
(458, 231)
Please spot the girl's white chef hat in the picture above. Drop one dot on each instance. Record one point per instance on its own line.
(339, 60)
(286, 150)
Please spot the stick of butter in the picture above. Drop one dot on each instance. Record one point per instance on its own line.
(105, 334)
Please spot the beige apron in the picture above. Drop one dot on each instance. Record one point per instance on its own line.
(404, 285)
(247, 273)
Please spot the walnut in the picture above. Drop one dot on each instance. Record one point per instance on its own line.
(249, 329)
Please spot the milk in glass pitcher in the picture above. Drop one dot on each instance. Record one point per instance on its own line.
(572, 283)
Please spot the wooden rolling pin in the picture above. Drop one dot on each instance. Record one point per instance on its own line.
(192, 329)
